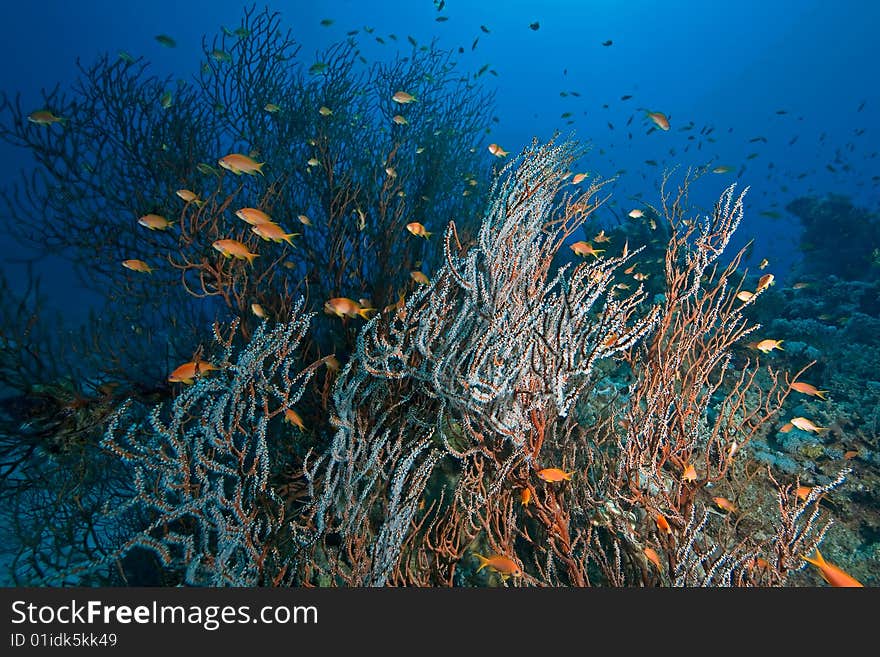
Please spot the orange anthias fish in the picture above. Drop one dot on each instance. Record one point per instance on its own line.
(725, 504)
(831, 573)
(635, 214)
(154, 222)
(44, 117)
(807, 389)
(803, 492)
(525, 496)
(497, 151)
(189, 196)
(765, 281)
(785, 428)
(292, 417)
(253, 216)
(766, 346)
(745, 296)
(653, 557)
(659, 119)
(419, 277)
(187, 372)
(345, 307)
(804, 424)
(601, 237)
(271, 231)
(257, 310)
(403, 98)
(585, 248)
(137, 265)
(689, 474)
(578, 178)
(235, 249)
(500, 564)
(663, 524)
(418, 229)
(554, 474)
(239, 164)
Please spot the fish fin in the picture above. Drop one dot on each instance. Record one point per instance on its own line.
(821, 394)
(427, 234)
(363, 312)
(818, 560)
(188, 382)
(250, 258)
(260, 168)
(483, 561)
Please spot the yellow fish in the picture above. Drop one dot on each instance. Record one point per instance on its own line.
(239, 164)
(274, 232)
(253, 216)
(418, 229)
(585, 248)
(403, 98)
(766, 346)
(137, 265)
(188, 372)
(506, 566)
(154, 222)
(804, 424)
(345, 307)
(234, 248)
(44, 117)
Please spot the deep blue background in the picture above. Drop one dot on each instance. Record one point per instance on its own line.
(729, 65)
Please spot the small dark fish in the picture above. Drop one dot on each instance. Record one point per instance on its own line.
(792, 140)
(484, 28)
(630, 120)
(831, 168)
(483, 69)
(576, 94)
(241, 32)
(460, 50)
(754, 139)
(411, 40)
(781, 112)
(751, 156)
(393, 37)
(327, 22)
(440, 5)
(352, 32)
(563, 93)
(380, 40)
(653, 163)
(536, 25)
(166, 40)
(442, 19)
(626, 97)
(565, 115)
(607, 43)
(318, 67)
(610, 126)
(861, 106)
(474, 44)
(492, 71)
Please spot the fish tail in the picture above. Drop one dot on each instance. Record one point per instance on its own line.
(260, 168)
(483, 561)
(250, 258)
(427, 234)
(821, 394)
(364, 312)
(817, 561)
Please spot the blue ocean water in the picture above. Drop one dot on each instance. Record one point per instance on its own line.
(728, 68)
(777, 96)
